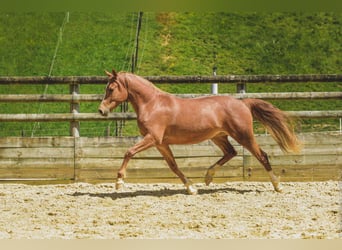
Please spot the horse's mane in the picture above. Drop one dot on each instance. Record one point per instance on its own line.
(142, 80)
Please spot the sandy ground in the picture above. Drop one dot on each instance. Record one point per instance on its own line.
(164, 211)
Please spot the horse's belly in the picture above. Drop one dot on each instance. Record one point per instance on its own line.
(189, 137)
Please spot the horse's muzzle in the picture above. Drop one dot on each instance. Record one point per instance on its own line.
(103, 111)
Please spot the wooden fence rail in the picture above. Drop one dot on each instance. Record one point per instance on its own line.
(70, 117)
(99, 97)
(177, 79)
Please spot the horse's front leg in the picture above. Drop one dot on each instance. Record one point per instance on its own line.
(170, 159)
(147, 142)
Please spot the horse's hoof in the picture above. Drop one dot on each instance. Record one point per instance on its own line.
(191, 190)
(275, 182)
(277, 186)
(209, 176)
(278, 189)
(119, 184)
(208, 179)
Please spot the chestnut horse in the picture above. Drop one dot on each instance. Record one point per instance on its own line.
(165, 119)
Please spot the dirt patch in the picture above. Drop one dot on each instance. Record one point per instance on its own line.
(165, 211)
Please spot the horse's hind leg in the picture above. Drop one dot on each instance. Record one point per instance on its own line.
(170, 159)
(262, 157)
(228, 151)
(248, 141)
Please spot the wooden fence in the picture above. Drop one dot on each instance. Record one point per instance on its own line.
(74, 158)
(69, 159)
(74, 98)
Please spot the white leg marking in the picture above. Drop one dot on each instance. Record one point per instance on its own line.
(119, 184)
(190, 188)
(275, 181)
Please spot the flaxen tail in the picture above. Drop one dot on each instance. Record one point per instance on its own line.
(277, 122)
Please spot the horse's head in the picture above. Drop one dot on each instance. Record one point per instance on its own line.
(116, 93)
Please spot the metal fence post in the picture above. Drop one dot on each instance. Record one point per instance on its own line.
(214, 86)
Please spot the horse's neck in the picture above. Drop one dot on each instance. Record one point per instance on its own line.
(140, 91)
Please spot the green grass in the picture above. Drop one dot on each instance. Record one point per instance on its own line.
(170, 44)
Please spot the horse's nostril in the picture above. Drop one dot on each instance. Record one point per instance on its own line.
(103, 111)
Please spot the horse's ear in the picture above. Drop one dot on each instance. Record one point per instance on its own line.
(114, 73)
(108, 74)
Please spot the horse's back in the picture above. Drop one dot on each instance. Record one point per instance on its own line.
(228, 104)
(218, 110)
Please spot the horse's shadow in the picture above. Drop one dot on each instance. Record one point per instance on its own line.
(159, 193)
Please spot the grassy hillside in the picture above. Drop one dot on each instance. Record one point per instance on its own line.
(170, 44)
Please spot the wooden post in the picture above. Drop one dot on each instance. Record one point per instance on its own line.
(106, 132)
(74, 109)
(241, 88)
